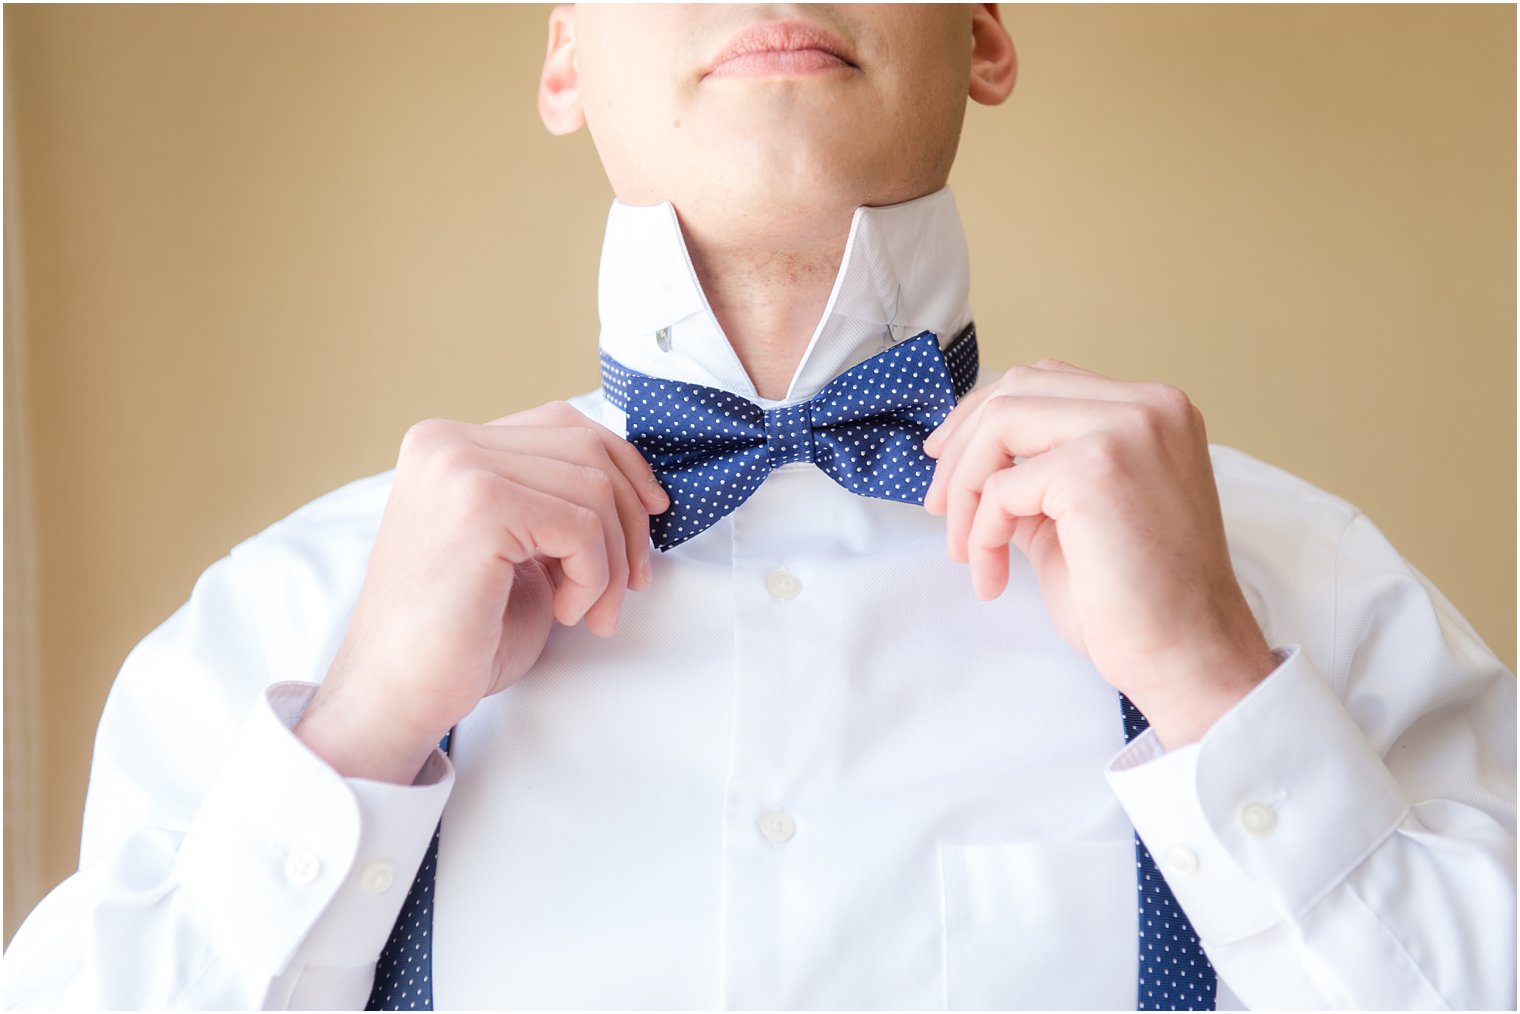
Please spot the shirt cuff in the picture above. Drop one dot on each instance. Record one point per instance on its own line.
(286, 856)
(1255, 822)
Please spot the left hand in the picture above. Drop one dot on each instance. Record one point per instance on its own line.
(1113, 502)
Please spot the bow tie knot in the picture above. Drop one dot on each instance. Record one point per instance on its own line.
(865, 429)
(789, 434)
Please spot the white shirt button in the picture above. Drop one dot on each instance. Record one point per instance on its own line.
(377, 878)
(783, 585)
(777, 826)
(1258, 818)
(302, 867)
(1181, 860)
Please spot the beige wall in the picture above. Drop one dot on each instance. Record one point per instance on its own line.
(247, 246)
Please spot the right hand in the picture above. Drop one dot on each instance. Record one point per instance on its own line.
(490, 534)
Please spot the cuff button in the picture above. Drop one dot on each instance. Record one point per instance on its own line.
(1181, 860)
(378, 878)
(302, 867)
(1258, 818)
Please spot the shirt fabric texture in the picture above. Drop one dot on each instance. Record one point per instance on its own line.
(811, 770)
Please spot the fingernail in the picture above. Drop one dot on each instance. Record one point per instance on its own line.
(660, 496)
(645, 574)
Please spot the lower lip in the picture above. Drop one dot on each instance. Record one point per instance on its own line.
(779, 63)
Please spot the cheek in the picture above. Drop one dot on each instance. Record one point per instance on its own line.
(931, 109)
(631, 122)
(929, 69)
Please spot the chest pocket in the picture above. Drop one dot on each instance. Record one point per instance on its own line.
(1050, 925)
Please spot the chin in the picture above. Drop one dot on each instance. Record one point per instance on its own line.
(801, 162)
(764, 181)
(785, 211)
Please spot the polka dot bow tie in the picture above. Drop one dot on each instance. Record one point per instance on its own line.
(711, 448)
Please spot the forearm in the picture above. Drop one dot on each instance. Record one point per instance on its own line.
(281, 891)
(1311, 875)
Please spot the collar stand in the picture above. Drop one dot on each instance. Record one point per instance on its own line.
(905, 270)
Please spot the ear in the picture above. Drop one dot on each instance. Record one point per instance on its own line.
(559, 87)
(994, 64)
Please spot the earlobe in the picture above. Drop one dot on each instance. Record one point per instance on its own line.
(559, 86)
(994, 64)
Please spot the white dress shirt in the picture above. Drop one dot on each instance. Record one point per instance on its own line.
(811, 770)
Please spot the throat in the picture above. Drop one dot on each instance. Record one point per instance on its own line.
(768, 304)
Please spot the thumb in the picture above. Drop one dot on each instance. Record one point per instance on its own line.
(526, 623)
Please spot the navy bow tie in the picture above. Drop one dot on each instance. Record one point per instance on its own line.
(711, 449)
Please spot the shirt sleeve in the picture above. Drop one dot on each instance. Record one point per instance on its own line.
(1344, 836)
(224, 865)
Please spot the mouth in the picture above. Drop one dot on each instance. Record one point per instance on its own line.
(781, 49)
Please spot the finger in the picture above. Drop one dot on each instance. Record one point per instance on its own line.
(590, 487)
(1053, 378)
(950, 450)
(1009, 428)
(632, 514)
(982, 455)
(640, 495)
(537, 523)
(1009, 498)
(1030, 426)
(586, 447)
(946, 444)
(1034, 381)
(640, 475)
(561, 414)
(959, 414)
(1063, 366)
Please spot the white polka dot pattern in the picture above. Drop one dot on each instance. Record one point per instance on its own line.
(1175, 974)
(404, 974)
(865, 429)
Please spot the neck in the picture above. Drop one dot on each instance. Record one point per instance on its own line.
(773, 310)
(768, 300)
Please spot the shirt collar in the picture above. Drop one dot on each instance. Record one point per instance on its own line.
(905, 268)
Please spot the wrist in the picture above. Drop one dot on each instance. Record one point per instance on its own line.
(357, 735)
(1194, 693)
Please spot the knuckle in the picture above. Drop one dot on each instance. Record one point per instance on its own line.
(421, 436)
(475, 491)
(1147, 421)
(584, 438)
(618, 569)
(1051, 363)
(452, 458)
(1001, 406)
(1001, 483)
(1195, 416)
(595, 479)
(1103, 454)
(1020, 375)
(1170, 399)
(567, 413)
(585, 523)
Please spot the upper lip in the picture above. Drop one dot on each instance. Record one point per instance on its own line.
(780, 36)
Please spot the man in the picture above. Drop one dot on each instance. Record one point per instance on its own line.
(810, 761)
